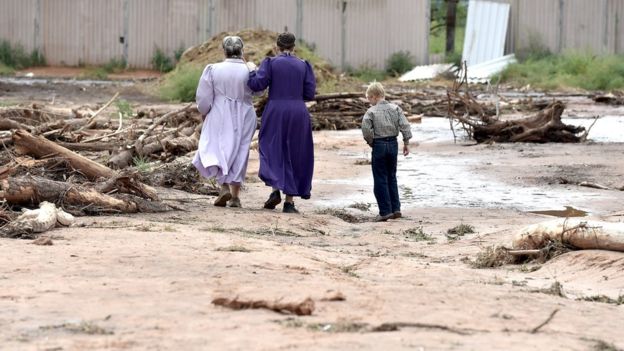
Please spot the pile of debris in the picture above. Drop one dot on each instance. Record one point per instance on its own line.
(341, 111)
(485, 127)
(259, 43)
(89, 162)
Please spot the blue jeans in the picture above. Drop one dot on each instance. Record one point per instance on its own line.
(384, 163)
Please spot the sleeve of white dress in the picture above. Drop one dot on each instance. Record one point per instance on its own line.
(205, 92)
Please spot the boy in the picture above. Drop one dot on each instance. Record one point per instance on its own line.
(381, 126)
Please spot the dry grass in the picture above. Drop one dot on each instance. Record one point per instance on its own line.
(80, 328)
(555, 289)
(274, 231)
(492, 256)
(417, 234)
(344, 215)
(360, 206)
(604, 299)
(459, 231)
(233, 248)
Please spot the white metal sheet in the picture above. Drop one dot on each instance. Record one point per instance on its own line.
(486, 30)
(482, 72)
(425, 72)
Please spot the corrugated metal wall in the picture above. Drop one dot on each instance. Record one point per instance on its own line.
(89, 31)
(18, 21)
(321, 28)
(94, 31)
(595, 26)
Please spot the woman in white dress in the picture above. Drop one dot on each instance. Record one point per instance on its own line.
(225, 103)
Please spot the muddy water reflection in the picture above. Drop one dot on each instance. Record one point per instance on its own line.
(448, 181)
(568, 212)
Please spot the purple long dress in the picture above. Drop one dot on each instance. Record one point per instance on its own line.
(285, 142)
(230, 122)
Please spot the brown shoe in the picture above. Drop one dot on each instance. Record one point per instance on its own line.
(235, 202)
(223, 198)
(397, 215)
(381, 218)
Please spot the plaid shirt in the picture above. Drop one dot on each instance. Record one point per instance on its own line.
(385, 120)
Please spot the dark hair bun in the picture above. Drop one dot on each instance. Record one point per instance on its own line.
(286, 41)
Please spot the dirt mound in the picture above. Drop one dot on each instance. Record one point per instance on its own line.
(259, 43)
(586, 274)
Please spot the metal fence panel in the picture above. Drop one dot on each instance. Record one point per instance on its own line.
(585, 26)
(321, 28)
(276, 15)
(146, 30)
(618, 25)
(562, 25)
(486, 31)
(62, 31)
(18, 20)
(101, 26)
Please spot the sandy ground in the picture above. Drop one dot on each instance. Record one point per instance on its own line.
(146, 282)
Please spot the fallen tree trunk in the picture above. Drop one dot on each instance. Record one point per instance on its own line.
(545, 126)
(30, 191)
(572, 232)
(8, 124)
(41, 147)
(78, 199)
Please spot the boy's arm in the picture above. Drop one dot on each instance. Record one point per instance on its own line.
(367, 128)
(405, 129)
(404, 126)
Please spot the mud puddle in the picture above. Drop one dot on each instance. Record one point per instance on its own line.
(566, 213)
(427, 180)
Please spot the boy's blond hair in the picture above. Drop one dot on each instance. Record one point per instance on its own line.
(376, 89)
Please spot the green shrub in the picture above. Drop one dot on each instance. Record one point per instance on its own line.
(123, 107)
(161, 62)
(15, 57)
(570, 70)
(181, 83)
(399, 63)
(115, 65)
(367, 74)
(37, 59)
(535, 49)
(177, 53)
(98, 73)
(6, 70)
(142, 164)
(454, 58)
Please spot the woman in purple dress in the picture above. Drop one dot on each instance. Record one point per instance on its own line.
(285, 141)
(225, 103)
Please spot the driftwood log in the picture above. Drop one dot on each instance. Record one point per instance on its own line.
(482, 126)
(616, 98)
(30, 191)
(575, 233)
(32, 222)
(42, 148)
(304, 308)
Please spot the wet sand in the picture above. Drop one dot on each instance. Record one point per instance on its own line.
(146, 282)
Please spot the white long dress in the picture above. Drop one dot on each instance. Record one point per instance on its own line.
(230, 122)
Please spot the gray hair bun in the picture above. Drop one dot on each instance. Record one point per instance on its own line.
(233, 46)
